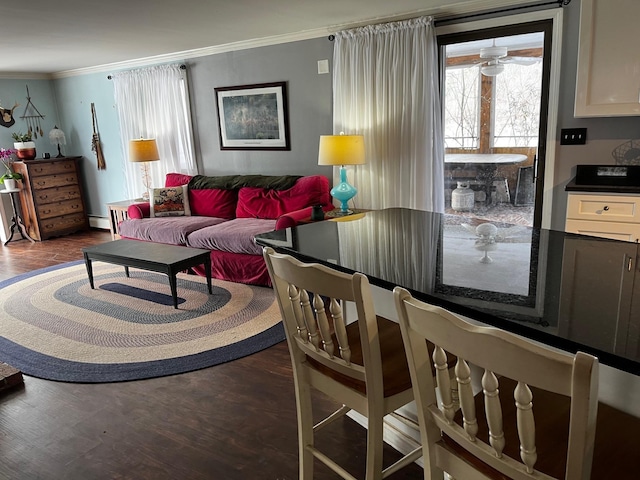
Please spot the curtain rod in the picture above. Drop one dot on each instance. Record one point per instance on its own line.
(515, 8)
(182, 67)
(557, 3)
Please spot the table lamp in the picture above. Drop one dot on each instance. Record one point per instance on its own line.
(342, 150)
(56, 136)
(144, 150)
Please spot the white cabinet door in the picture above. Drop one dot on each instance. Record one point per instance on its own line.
(608, 79)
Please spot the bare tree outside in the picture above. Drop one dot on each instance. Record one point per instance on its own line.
(515, 106)
(462, 108)
(518, 92)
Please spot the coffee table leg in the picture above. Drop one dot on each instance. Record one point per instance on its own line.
(87, 263)
(207, 271)
(174, 288)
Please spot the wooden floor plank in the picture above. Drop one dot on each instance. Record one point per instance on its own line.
(234, 421)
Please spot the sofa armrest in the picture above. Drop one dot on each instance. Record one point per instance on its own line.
(292, 219)
(139, 210)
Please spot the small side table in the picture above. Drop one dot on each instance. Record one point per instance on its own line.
(16, 221)
(118, 213)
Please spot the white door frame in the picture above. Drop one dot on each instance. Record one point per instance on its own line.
(554, 86)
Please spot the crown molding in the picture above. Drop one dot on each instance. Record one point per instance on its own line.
(459, 8)
(25, 76)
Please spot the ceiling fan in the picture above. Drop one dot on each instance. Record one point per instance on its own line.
(493, 59)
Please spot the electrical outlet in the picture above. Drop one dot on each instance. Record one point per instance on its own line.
(573, 136)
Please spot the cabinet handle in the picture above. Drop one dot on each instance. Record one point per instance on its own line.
(606, 208)
(630, 264)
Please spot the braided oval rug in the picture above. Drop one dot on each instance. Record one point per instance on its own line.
(54, 326)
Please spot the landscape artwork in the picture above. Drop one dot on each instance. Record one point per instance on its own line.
(253, 117)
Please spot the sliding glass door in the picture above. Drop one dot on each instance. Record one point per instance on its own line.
(495, 96)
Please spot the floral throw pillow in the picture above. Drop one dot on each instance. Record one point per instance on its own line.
(169, 201)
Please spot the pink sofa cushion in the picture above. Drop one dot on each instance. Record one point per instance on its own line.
(214, 203)
(235, 236)
(210, 202)
(176, 179)
(171, 230)
(270, 204)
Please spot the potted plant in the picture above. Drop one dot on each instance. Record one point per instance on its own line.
(9, 177)
(25, 148)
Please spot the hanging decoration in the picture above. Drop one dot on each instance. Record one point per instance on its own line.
(32, 116)
(95, 141)
(6, 116)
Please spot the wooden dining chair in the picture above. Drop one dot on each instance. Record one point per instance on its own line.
(537, 414)
(361, 365)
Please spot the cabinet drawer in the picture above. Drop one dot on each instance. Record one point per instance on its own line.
(50, 168)
(39, 183)
(604, 208)
(57, 194)
(60, 208)
(616, 231)
(62, 223)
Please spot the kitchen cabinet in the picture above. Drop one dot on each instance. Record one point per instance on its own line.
(51, 197)
(599, 281)
(608, 215)
(608, 76)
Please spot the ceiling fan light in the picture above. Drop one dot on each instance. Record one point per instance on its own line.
(493, 52)
(492, 70)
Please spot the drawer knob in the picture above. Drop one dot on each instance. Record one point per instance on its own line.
(606, 208)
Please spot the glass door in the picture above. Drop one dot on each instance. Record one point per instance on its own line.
(495, 85)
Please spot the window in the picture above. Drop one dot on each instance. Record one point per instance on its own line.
(516, 105)
(462, 104)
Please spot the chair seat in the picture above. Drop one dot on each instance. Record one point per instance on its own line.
(616, 446)
(395, 370)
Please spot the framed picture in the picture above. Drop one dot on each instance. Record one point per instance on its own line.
(253, 117)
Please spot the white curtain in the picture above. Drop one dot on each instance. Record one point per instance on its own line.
(154, 103)
(385, 82)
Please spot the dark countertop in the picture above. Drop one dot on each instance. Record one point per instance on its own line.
(515, 278)
(572, 186)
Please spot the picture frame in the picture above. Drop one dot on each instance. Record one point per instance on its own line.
(253, 117)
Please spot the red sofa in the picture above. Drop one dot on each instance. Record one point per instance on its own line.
(226, 213)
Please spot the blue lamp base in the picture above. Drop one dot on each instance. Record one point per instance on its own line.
(343, 192)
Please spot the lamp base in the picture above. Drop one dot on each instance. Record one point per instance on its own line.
(344, 192)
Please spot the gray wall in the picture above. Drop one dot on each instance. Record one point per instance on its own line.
(309, 101)
(310, 105)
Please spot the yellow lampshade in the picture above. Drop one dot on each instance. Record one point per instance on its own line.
(143, 150)
(341, 150)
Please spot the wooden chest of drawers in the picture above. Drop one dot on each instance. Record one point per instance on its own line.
(51, 197)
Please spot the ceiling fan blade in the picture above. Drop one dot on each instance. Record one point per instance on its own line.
(521, 60)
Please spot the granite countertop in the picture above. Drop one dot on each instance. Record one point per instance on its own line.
(572, 186)
(508, 276)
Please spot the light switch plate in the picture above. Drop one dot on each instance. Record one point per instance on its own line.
(323, 66)
(573, 136)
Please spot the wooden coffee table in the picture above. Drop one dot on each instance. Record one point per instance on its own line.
(155, 257)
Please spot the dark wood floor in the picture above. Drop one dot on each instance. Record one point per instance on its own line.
(231, 421)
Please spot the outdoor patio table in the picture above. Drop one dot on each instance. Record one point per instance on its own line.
(486, 165)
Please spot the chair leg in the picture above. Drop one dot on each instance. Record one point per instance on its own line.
(375, 431)
(305, 430)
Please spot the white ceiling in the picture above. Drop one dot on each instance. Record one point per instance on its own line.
(54, 36)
